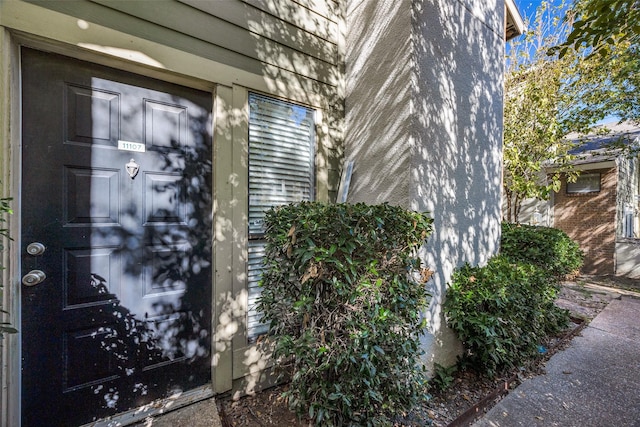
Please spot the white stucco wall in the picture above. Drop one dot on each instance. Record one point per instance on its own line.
(628, 258)
(379, 110)
(424, 127)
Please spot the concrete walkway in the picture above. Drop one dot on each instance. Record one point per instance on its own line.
(201, 414)
(594, 382)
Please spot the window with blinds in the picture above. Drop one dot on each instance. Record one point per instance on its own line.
(585, 183)
(281, 171)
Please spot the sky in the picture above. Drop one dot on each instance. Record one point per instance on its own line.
(527, 8)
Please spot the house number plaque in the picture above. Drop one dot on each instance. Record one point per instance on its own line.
(131, 146)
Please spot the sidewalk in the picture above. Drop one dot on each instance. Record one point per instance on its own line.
(594, 382)
(201, 414)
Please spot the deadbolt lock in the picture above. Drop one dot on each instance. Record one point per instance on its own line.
(36, 248)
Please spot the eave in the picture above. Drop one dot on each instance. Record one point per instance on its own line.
(514, 24)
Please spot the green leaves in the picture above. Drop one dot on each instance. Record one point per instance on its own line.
(491, 310)
(342, 296)
(534, 127)
(601, 24)
(504, 310)
(5, 208)
(546, 247)
(442, 377)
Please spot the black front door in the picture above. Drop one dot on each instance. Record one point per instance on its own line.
(116, 187)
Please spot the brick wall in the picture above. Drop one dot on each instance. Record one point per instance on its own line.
(590, 219)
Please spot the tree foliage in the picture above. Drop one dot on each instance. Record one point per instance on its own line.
(535, 114)
(601, 25)
(606, 35)
(555, 87)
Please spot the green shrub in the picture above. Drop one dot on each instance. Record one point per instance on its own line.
(343, 293)
(5, 208)
(502, 312)
(546, 247)
(442, 377)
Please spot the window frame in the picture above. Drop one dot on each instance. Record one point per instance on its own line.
(584, 187)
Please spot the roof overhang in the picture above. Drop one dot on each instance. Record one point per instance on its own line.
(593, 151)
(592, 164)
(514, 24)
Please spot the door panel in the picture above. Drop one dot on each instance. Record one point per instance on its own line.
(124, 315)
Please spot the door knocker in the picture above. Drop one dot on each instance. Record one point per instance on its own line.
(132, 168)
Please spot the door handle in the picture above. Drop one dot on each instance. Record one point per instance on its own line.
(33, 277)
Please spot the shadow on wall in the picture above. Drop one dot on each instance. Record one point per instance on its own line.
(457, 172)
(458, 163)
(303, 66)
(424, 111)
(379, 105)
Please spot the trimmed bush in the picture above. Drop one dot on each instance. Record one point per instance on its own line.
(502, 312)
(546, 247)
(343, 293)
(5, 209)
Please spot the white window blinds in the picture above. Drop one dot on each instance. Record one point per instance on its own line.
(281, 171)
(281, 156)
(585, 183)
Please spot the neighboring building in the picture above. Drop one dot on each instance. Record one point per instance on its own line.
(600, 209)
(142, 141)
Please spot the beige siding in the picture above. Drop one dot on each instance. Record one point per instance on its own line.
(9, 257)
(228, 31)
(316, 17)
(261, 24)
(628, 258)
